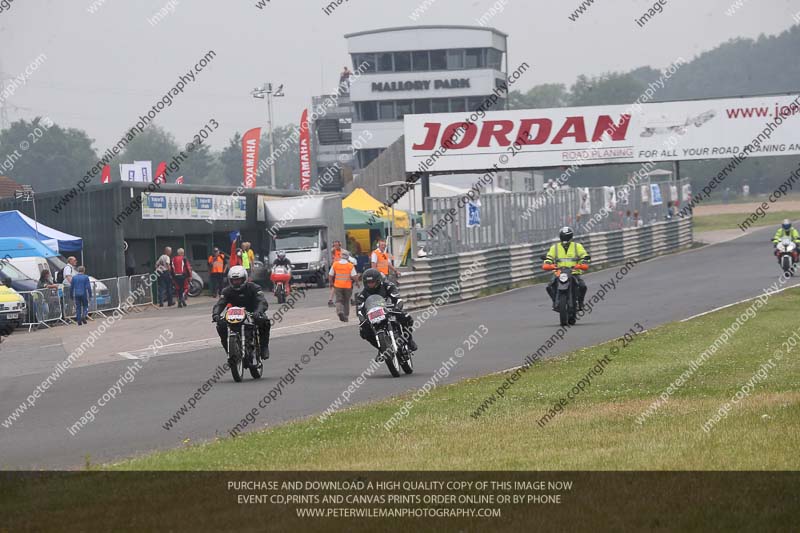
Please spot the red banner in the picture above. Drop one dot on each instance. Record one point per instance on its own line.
(106, 176)
(250, 156)
(305, 153)
(161, 173)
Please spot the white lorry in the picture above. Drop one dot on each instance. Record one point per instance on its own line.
(305, 227)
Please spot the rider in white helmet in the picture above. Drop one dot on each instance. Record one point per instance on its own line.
(246, 294)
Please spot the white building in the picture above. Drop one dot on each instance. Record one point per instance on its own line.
(420, 69)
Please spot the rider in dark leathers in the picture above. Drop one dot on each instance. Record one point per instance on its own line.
(375, 283)
(246, 294)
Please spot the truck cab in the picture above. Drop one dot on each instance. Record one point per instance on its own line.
(304, 227)
(307, 249)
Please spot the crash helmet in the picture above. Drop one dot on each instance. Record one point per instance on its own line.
(237, 276)
(566, 234)
(372, 280)
(281, 254)
(787, 224)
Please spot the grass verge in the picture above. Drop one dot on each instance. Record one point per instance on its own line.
(731, 220)
(597, 431)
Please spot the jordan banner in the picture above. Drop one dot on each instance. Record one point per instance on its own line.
(594, 135)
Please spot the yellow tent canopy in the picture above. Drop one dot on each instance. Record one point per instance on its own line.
(361, 200)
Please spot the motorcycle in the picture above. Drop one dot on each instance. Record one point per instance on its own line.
(243, 344)
(195, 285)
(567, 293)
(280, 277)
(392, 346)
(786, 250)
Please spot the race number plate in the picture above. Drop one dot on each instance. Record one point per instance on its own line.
(236, 314)
(376, 314)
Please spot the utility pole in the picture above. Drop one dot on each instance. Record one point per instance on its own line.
(262, 92)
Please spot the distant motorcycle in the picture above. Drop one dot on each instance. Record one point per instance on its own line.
(243, 343)
(786, 252)
(280, 277)
(567, 294)
(392, 346)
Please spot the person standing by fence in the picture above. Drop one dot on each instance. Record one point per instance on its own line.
(81, 293)
(163, 270)
(182, 275)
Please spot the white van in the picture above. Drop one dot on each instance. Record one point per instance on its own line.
(33, 267)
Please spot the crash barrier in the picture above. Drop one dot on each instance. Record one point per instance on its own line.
(458, 224)
(503, 267)
(41, 306)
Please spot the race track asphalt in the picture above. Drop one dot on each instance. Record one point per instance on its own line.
(655, 292)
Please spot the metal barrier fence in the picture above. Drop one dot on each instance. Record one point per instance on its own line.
(520, 218)
(44, 306)
(503, 267)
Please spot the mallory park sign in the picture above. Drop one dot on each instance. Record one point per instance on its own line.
(420, 85)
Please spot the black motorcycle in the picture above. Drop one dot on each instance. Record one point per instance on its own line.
(567, 293)
(392, 345)
(244, 347)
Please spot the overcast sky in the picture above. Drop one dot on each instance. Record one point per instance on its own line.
(103, 70)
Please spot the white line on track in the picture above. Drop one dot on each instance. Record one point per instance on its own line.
(202, 342)
(737, 303)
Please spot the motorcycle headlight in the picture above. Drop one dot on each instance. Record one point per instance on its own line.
(563, 277)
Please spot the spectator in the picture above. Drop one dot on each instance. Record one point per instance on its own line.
(130, 262)
(181, 275)
(81, 292)
(344, 80)
(250, 255)
(216, 268)
(69, 270)
(45, 282)
(244, 257)
(163, 270)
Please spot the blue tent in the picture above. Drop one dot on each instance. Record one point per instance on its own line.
(15, 224)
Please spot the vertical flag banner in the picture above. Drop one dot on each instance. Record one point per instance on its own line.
(250, 156)
(106, 176)
(305, 153)
(161, 173)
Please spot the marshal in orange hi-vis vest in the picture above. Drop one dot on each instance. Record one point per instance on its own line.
(382, 263)
(343, 272)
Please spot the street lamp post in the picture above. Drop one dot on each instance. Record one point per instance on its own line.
(262, 92)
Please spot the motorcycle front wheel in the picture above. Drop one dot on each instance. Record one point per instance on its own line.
(407, 364)
(563, 309)
(389, 354)
(235, 357)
